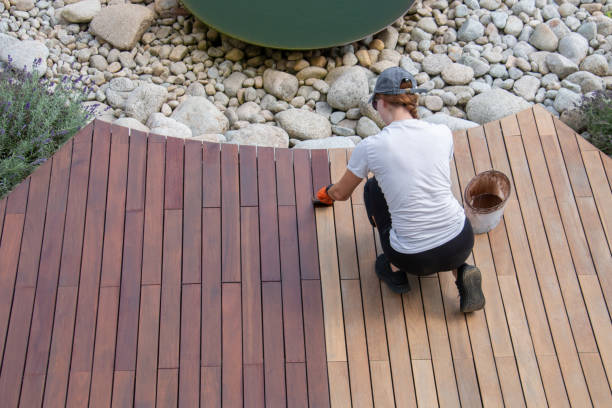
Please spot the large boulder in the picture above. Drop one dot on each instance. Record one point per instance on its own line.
(302, 124)
(162, 125)
(333, 142)
(587, 81)
(201, 116)
(280, 84)
(494, 104)
(82, 12)
(260, 135)
(452, 122)
(145, 100)
(24, 53)
(122, 25)
(346, 92)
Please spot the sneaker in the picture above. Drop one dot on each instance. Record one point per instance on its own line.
(397, 281)
(469, 283)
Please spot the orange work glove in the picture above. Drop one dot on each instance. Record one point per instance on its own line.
(322, 197)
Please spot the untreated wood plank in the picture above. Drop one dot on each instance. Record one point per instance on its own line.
(339, 388)
(104, 353)
(115, 207)
(148, 338)
(152, 249)
(170, 314)
(230, 214)
(425, 384)
(414, 318)
(252, 343)
(309, 266)
(330, 284)
(601, 190)
(211, 288)
(248, 175)
(232, 346)
(343, 216)
(314, 338)
(290, 280)
(192, 213)
(573, 159)
(274, 356)
(211, 175)
(268, 216)
(596, 379)
(357, 351)
(173, 194)
(607, 163)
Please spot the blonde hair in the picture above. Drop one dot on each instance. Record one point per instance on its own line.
(407, 100)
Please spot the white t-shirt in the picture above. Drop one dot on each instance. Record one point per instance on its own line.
(411, 161)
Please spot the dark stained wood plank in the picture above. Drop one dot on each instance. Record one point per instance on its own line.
(2, 210)
(284, 177)
(189, 371)
(56, 381)
(115, 207)
(135, 199)
(148, 336)
(357, 351)
(211, 288)
(170, 315)
(230, 214)
(252, 343)
(48, 275)
(320, 169)
(123, 389)
(211, 175)
(357, 196)
(291, 288)
(248, 175)
(17, 199)
(104, 352)
(232, 346)
(297, 396)
(15, 348)
(309, 266)
(343, 216)
(211, 387)
(274, 356)
(167, 387)
(254, 385)
(87, 306)
(174, 174)
(29, 258)
(129, 302)
(268, 215)
(154, 211)
(192, 213)
(314, 338)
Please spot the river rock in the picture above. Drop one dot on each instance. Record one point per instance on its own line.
(560, 65)
(494, 104)
(145, 100)
(280, 84)
(133, 19)
(452, 122)
(201, 116)
(162, 125)
(595, 64)
(574, 47)
(366, 109)
(302, 124)
(470, 30)
(311, 72)
(346, 92)
(233, 83)
(479, 66)
(260, 135)
(82, 12)
(23, 53)
(587, 81)
(366, 127)
(332, 142)
(566, 99)
(526, 87)
(248, 111)
(131, 123)
(544, 38)
(457, 74)
(434, 64)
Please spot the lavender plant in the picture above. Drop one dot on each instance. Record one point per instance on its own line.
(36, 117)
(597, 110)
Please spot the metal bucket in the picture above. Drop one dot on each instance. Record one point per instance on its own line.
(485, 199)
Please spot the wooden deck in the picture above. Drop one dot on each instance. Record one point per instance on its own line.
(138, 270)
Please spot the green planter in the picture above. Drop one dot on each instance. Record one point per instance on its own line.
(297, 25)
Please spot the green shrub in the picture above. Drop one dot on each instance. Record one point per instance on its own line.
(597, 110)
(36, 117)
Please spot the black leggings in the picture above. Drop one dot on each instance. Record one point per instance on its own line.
(448, 256)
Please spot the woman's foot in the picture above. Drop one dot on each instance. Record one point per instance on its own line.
(469, 283)
(397, 281)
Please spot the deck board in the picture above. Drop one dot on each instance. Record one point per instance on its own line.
(141, 270)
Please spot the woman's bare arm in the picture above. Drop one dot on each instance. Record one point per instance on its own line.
(343, 189)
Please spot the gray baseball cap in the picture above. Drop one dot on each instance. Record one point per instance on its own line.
(390, 80)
